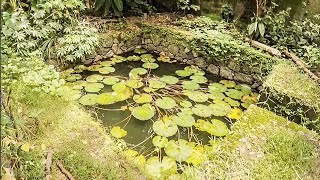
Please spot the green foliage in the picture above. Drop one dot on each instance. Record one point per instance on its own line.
(227, 12)
(186, 5)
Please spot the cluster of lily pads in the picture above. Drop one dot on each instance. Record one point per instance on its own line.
(184, 100)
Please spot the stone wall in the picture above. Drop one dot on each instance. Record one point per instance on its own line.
(178, 49)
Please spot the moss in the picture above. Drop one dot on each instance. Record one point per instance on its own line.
(262, 145)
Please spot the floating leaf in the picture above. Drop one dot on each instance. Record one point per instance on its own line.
(88, 99)
(122, 94)
(146, 56)
(184, 73)
(93, 87)
(165, 128)
(107, 63)
(157, 169)
(159, 141)
(216, 128)
(235, 113)
(185, 104)
(73, 77)
(148, 65)
(149, 89)
(184, 119)
(216, 95)
(110, 80)
(117, 59)
(197, 96)
(142, 98)
(165, 103)
(202, 110)
(228, 84)
(154, 83)
(135, 72)
(119, 86)
(118, 132)
(140, 162)
(220, 108)
(105, 98)
(148, 60)
(94, 78)
(134, 83)
(165, 59)
(169, 80)
(187, 111)
(106, 70)
(190, 85)
(178, 150)
(214, 87)
(133, 58)
(199, 79)
(197, 157)
(94, 68)
(144, 112)
(140, 51)
(80, 68)
(246, 90)
(234, 94)
(232, 102)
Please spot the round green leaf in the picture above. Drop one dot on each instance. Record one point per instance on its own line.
(140, 51)
(232, 102)
(118, 132)
(119, 86)
(88, 99)
(214, 87)
(133, 58)
(165, 103)
(190, 85)
(73, 77)
(178, 150)
(159, 141)
(169, 80)
(144, 112)
(106, 70)
(165, 128)
(220, 108)
(105, 98)
(216, 95)
(228, 84)
(94, 78)
(107, 63)
(134, 83)
(93, 87)
(94, 68)
(197, 96)
(110, 80)
(199, 79)
(142, 98)
(154, 83)
(157, 169)
(183, 120)
(184, 73)
(150, 65)
(234, 94)
(185, 104)
(202, 110)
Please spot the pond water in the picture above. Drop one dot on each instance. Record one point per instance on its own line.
(158, 107)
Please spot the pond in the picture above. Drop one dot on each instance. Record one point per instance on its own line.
(158, 107)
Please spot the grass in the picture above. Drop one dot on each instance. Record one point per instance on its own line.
(262, 145)
(78, 140)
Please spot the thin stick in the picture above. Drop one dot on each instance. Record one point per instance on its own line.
(48, 164)
(64, 171)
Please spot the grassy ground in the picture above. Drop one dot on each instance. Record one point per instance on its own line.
(78, 140)
(263, 146)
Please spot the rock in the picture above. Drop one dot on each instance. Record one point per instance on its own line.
(116, 49)
(98, 58)
(233, 65)
(178, 58)
(103, 50)
(156, 40)
(147, 41)
(173, 49)
(108, 42)
(213, 69)
(151, 47)
(115, 41)
(194, 54)
(225, 72)
(255, 85)
(200, 62)
(109, 54)
(243, 78)
(190, 62)
(87, 61)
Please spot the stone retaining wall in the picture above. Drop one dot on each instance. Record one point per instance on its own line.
(176, 49)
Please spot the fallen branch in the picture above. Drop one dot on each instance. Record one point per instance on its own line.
(48, 164)
(300, 63)
(267, 48)
(287, 54)
(64, 171)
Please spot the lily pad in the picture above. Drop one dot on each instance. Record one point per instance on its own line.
(246, 90)
(110, 80)
(107, 63)
(146, 56)
(156, 84)
(149, 65)
(106, 70)
(220, 108)
(80, 68)
(169, 80)
(184, 73)
(165, 128)
(190, 85)
(228, 84)
(117, 59)
(184, 120)
(105, 98)
(134, 83)
(199, 79)
(136, 72)
(94, 67)
(140, 51)
(157, 169)
(88, 99)
(144, 112)
(178, 150)
(118, 132)
(187, 111)
(133, 58)
(142, 98)
(217, 95)
(122, 94)
(216, 128)
(232, 102)
(164, 59)
(73, 77)
(202, 110)
(217, 87)
(93, 87)
(185, 104)
(159, 141)
(149, 89)
(198, 96)
(234, 94)
(148, 60)
(235, 113)
(94, 78)
(165, 103)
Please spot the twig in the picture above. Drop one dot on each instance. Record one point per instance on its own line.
(64, 171)
(48, 164)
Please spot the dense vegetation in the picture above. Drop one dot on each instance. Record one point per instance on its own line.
(41, 40)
